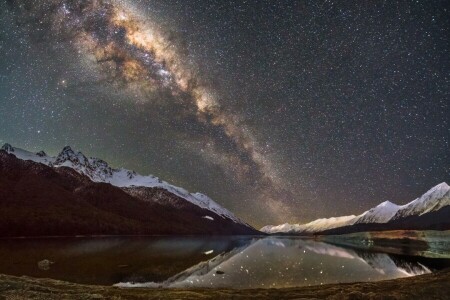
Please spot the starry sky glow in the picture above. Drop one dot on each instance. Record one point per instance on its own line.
(282, 111)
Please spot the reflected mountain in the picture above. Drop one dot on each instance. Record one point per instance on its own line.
(291, 262)
(189, 262)
(108, 260)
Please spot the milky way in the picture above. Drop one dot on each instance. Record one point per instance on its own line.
(132, 53)
(279, 111)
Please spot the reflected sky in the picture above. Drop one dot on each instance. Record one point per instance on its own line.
(188, 262)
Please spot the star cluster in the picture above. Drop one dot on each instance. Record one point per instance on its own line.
(280, 111)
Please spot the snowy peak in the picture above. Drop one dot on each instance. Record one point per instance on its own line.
(99, 171)
(39, 157)
(96, 169)
(285, 228)
(67, 155)
(386, 204)
(329, 223)
(380, 214)
(311, 227)
(434, 199)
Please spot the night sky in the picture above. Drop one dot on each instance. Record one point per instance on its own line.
(281, 111)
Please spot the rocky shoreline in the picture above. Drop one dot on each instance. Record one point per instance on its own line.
(429, 286)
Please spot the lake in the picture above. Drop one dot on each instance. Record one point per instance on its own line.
(216, 262)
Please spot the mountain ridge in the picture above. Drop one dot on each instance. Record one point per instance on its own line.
(99, 170)
(41, 200)
(384, 216)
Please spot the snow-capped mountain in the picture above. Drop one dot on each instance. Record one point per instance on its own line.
(379, 214)
(432, 201)
(99, 171)
(314, 226)
(40, 157)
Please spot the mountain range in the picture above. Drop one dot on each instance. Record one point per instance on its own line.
(430, 211)
(71, 194)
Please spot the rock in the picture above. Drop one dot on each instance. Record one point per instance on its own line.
(44, 264)
(8, 148)
(41, 154)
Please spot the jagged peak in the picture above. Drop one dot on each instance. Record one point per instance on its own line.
(8, 148)
(67, 149)
(98, 161)
(436, 190)
(68, 154)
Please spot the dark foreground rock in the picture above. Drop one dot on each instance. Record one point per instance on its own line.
(430, 286)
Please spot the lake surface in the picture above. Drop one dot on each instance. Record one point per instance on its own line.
(188, 262)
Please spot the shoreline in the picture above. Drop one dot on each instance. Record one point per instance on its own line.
(130, 235)
(428, 286)
(409, 234)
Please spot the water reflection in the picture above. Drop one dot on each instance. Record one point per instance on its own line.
(185, 262)
(288, 262)
(109, 260)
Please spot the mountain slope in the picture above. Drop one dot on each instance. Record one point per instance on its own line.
(434, 199)
(99, 171)
(434, 220)
(430, 211)
(39, 200)
(314, 226)
(379, 214)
